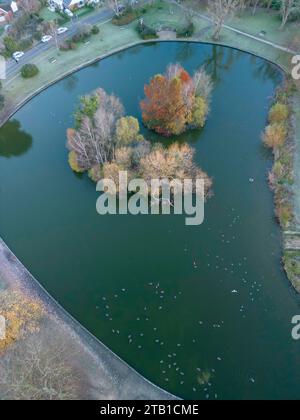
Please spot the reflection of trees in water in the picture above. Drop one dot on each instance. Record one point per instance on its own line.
(191, 137)
(70, 82)
(136, 50)
(220, 59)
(185, 51)
(264, 70)
(13, 140)
(95, 64)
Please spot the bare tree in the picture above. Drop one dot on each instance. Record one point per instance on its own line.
(94, 142)
(255, 6)
(40, 368)
(287, 7)
(220, 11)
(190, 11)
(30, 6)
(114, 6)
(53, 32)
(203, 84)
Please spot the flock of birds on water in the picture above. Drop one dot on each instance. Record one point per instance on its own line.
(170, 370)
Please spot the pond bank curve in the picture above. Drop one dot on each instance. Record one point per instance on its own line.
(109, 376)
(27, 286)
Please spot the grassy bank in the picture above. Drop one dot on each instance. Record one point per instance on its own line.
(281, 136)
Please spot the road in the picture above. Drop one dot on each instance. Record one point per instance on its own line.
(13, 68)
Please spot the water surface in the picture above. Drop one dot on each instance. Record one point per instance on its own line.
(156, 292)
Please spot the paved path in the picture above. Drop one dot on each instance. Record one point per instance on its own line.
(292, 241)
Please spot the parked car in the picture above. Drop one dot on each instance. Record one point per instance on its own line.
(17, 55)
(46, 38)
(69, 13)
(62, 30)
(121, 8)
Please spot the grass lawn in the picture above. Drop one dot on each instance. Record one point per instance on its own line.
(47, 15)
(263, 20)
(163, 15)
(83, 11)
(241, 42)
(268, 22)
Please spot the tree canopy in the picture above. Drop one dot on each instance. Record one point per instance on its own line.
(175, 101)
(105, 141)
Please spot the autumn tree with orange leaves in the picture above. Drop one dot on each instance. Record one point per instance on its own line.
(175, 101)
(105, 142)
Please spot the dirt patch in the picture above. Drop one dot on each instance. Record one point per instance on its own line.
(165, 35)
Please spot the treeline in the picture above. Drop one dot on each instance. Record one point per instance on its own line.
(278, 137)
(25, 28)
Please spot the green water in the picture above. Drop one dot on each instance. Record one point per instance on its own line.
(156, 292)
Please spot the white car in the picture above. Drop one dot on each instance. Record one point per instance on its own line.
(62, 30)
(46, 38)
(121, 8)
(69, 13)
(17, 55)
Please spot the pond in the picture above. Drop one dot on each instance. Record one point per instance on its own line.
(205, 311)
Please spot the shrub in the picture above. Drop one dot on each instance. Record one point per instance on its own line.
(10, 44)
(127, 129)
(29, 70)
(24, 44)
(200, 112)
(80, 37)
(275, 135)
(128, 16)
(73, 162)
(22, 314)
(186, 31)
(291, 261)
(37, 35)
(67, 46)
(83, 34)
(146, 32)
(284, 212)
(95, 173)
(279, 113)
(95, 30)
